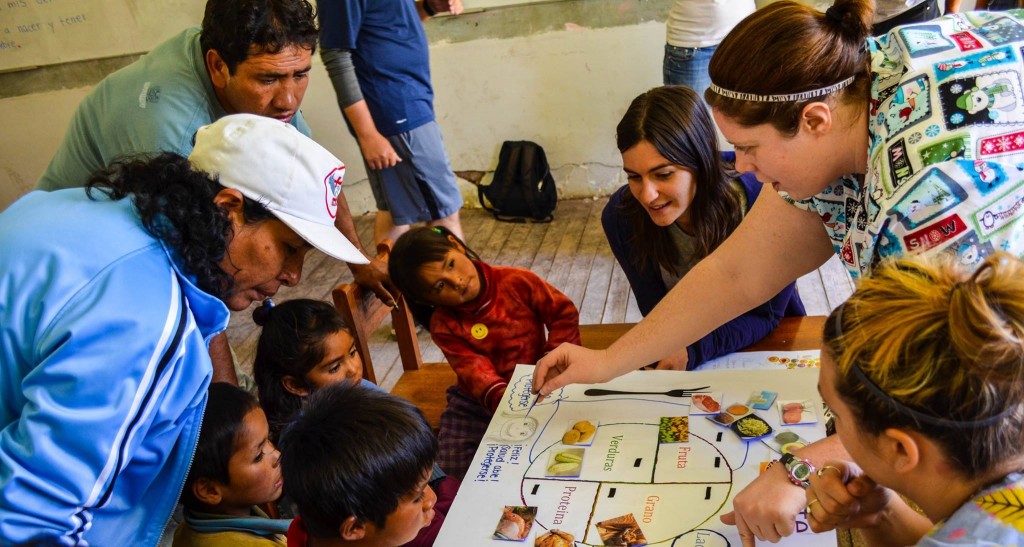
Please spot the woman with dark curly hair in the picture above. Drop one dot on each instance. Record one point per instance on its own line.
(108, 299)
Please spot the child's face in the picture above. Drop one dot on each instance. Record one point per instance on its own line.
(341, 362)
(415, 511)
(253, 471)
(859, 444)
(452, 281)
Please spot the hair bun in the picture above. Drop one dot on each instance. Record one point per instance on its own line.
(989, 307)
(852, 18)
(261, 314)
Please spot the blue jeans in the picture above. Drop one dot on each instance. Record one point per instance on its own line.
(687, 66)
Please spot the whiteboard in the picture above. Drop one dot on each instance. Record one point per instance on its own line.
(46, 32)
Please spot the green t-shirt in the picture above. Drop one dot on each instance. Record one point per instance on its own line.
(153, 105)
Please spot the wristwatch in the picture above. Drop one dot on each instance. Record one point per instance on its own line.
(799, 471)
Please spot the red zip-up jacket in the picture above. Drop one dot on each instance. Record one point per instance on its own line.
(514, 307)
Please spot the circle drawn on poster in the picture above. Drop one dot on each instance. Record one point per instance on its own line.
(518, 429)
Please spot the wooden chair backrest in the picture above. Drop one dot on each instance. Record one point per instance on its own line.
(364, 312)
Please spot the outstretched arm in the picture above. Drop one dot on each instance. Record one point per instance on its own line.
(774, 245)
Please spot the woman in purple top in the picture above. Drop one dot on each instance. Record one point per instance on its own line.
(682, 200)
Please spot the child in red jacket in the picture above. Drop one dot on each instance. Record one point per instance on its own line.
(486, 319)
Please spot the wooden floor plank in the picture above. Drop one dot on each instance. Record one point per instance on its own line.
(564, 260)
(595, 297)
(556, 253)
(528, 251)
(633, 314)
(513, 244)
(583, 261)
(618, 297)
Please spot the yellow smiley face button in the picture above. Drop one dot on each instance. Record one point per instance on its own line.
(479, 331)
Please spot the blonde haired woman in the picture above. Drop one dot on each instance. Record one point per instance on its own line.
(923, 368)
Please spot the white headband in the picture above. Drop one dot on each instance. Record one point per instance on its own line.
(803, 95)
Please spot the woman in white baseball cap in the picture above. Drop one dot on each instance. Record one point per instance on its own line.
(108, 299)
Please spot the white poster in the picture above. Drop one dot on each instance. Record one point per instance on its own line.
(653, 457)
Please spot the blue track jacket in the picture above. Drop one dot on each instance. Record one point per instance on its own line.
(104, 368)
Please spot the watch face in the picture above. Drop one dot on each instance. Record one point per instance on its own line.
(801, 471)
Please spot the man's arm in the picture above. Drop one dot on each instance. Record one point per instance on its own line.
(223, 362)
(377, 151)
(953, 6)
(372, 276)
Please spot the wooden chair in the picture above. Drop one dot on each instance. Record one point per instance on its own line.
(422, 383)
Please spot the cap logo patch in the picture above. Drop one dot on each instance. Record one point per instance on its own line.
(332, 187)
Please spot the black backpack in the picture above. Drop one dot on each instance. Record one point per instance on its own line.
(523, 188)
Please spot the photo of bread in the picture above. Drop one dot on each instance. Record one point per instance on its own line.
(580, 433)
(621, 531)
(554, 538)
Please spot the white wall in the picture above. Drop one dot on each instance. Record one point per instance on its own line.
(565, 90)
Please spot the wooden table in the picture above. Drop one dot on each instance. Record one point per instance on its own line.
(792, 334)
(426, 387)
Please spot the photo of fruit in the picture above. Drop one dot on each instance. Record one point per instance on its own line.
(785, 441)
(565, 463)
(580, 433)
(621, 531)
(515, 522)
(674, 429)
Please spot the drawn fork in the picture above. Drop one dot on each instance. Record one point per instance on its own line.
(594, 392)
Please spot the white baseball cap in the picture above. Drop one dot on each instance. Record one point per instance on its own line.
(270, 162)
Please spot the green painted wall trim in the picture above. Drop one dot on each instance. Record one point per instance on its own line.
(517, 21)
(497, 23)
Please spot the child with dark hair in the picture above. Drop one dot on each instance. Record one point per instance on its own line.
(306, 345)
(235, 469)
(486, 319)
(361, 480)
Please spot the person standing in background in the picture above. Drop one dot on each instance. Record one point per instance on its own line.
(377, 57)
(694, 29)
